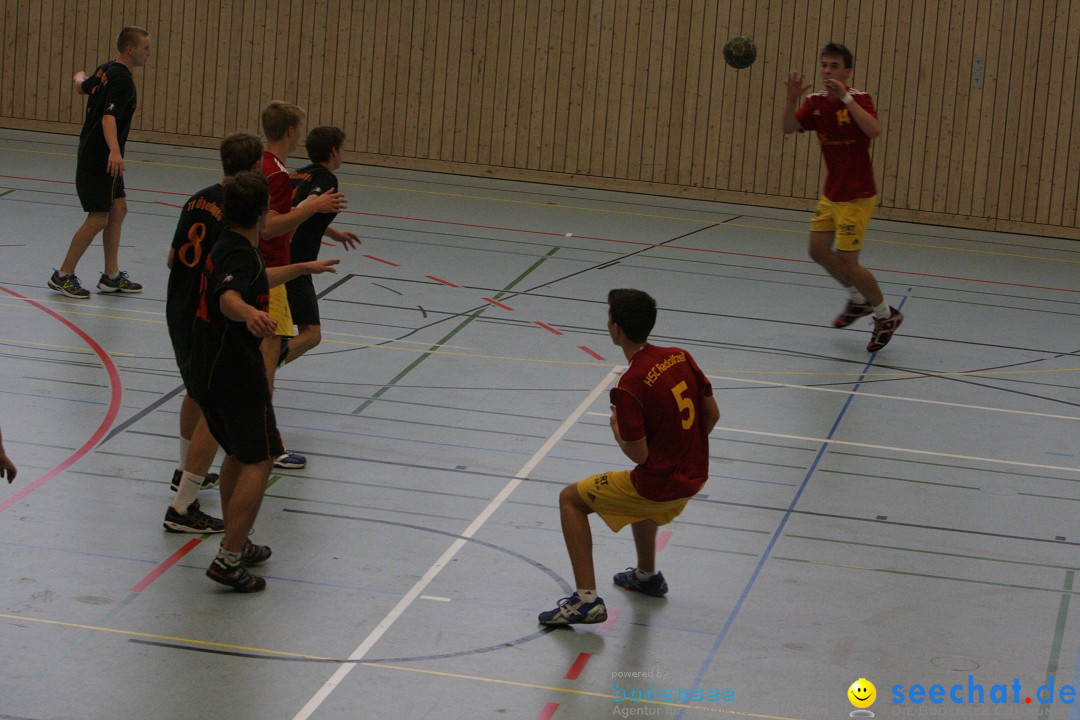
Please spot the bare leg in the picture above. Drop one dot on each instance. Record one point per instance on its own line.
(844, 267)
(578, 536)
(111, 236)
(242, 489)
(645, 542)
(307, 339)
(95, 222)
(271, 351)
(202, 450)
(190, 415)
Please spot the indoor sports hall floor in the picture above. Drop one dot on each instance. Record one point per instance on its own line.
(909, 517)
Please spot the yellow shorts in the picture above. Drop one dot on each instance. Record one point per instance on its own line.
(279, 310)
(848, 220)
(614, 498)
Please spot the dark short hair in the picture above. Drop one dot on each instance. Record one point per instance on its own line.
(246, 196)
(634, 311)
(279, 116)
(240, 151)
(834, 48)
(130, 37)
(323, 140)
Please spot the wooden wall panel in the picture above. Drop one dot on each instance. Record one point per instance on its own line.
(626, 94)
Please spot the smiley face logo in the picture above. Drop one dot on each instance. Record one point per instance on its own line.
(862, 693)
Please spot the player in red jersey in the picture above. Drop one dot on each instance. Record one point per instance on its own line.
(845, 121)
(662, 413)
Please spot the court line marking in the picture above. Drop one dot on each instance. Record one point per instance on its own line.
(895, 397)
(871, 446)
(115, 395)
(375, 635)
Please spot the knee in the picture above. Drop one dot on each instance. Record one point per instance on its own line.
(118, 211)
(820, 253)
(569, 498)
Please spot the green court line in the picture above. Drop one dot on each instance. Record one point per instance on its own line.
(372, 508)
(1049, 497)
(428, 406)
(396, 488)
(1059, 627)
(904, 480)
(413, 365)
(7, 192)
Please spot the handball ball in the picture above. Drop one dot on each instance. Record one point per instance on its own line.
(740, 52)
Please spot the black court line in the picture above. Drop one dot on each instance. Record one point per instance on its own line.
(940, 528)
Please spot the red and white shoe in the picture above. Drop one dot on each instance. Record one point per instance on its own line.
(851, 312)
(884, 329)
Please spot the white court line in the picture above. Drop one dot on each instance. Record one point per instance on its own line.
(899, 449)
(860, 393)
(342, 672)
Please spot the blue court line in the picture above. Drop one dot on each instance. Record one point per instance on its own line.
(780, 528)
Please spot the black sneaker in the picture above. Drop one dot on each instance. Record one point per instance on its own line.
(573, 610)
(235, 576)
(851, 312)
(253, 554)
(122, 284)
(193, 521)
(655, 586)
(884, 329)
(68, 285)
(211, 481)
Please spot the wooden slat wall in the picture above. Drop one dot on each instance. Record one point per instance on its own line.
(621, 94)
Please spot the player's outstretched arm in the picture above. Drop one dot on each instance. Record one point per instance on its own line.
(796, 86)
(258, 323)
(285, 273)
(346, 238)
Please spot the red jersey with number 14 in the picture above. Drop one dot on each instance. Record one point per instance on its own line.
(844, 145)
(659, 398)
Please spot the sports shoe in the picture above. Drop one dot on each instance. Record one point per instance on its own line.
(573, 610)
(852, 312)
(193, 521)
(883, 330)
(235, 576)
(290, 461)
(211, 481)
(68, 285)
(253, 554)
(121, 284)
(655, 586)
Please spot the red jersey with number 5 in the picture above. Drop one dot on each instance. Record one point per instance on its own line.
(659, 398)
(846, 148)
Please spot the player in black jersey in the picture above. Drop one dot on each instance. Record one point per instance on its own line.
(201, 222)
(226, 373)
(99, 174)
(324, 148)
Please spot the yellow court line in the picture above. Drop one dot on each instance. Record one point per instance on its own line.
(457, 676)
(152, 636)
(67, 305)
(628, 213)
(13, 341)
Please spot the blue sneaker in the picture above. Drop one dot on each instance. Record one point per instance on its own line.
(655, 586)
(573, 610)
(290, 461)
(68, 285)
(121, 284)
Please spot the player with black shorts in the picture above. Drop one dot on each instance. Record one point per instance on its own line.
(226, 373)
(99, 174)
(201, 222)
(324, 148)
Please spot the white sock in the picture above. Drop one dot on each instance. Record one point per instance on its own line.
(642, 576)
(229, 558)
(883, 310)
(856, 296)
(112, 276)
(587, 595)
(184, 445)
(190, 484)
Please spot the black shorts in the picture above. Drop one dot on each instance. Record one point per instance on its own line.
(97, 192)
(303, 303)
(247, 432)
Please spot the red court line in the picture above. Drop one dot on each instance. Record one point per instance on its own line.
(547, 327)
(626, 242)
(160, 569)
(496, 302)
(661, 542)
(372, 257)
(444, 282)
(547, 711)
(578, 666)
(110, 415)
(328, 243)
(591, 352)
